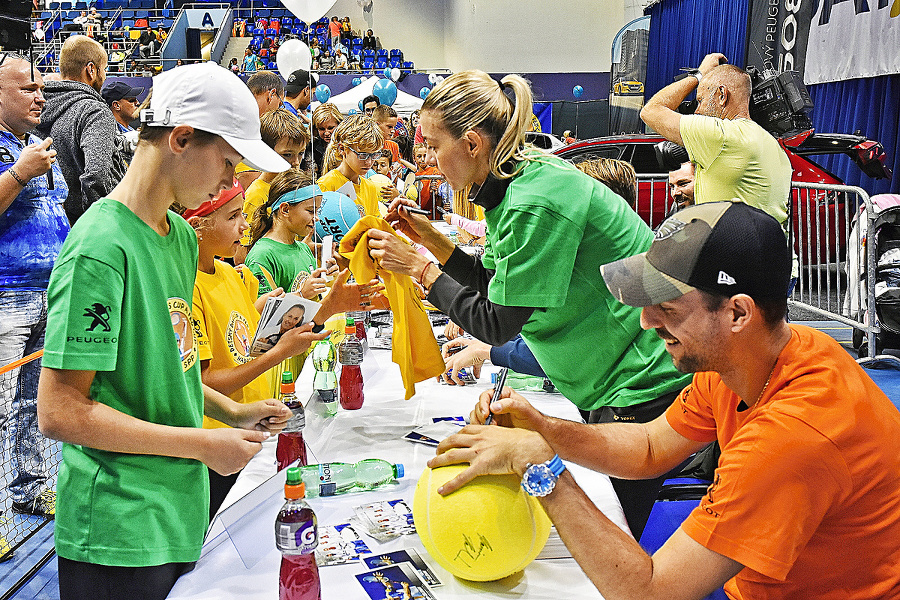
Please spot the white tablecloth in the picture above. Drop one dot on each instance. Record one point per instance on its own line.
(242, 561)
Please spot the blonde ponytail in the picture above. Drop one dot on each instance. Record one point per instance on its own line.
(471, 100)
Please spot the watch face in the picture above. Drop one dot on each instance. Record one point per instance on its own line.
(539, 480)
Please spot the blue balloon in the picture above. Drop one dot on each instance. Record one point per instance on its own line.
(361, 106)
(385, 91)
(423, 93)
(323, 93)
(578, 91)
(353, 111)
(356, 81)
(386, 73)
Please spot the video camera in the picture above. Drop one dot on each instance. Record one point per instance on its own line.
(778, 103)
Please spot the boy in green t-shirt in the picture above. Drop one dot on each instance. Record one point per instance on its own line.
(120, 384)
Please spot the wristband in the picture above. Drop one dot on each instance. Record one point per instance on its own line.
(698, 75)
(422, 275)
(16, 177)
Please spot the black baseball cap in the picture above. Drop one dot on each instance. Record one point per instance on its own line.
(299, 80)
(723, 248)
(116, 90)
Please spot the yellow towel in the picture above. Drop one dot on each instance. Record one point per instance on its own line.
(414, 348)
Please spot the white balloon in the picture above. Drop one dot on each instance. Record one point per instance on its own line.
(395, 74)
(437, 78)
(431, 77)
(293, 55)
(308, 10)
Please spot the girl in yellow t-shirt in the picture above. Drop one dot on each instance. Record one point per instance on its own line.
(355, 145)
(226, 312)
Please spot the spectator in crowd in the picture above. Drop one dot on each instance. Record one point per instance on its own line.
(805, 502)
(370, 103)
(33, 227)
(386, 119)
(314, 48)
(334, 30)
(618, 175)
(681, 185)
(355, 144)
(268, 90)
(426, 172)
(299, 91)
(326, 61)
(161, 35)
(233, 66)
(122, 100)
(77, 24)
(82, 126)
(340, 61)
(248, 65)
(346, 30)
(145, 42)
(283, 132)
(325, 119)
(94, 24)
(734, 157)
(369, 41)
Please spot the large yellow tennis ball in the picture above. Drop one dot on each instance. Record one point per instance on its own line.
(484, 531)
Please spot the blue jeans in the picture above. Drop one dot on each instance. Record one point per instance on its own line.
(23, 320)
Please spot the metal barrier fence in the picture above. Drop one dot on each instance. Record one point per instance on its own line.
(16, 529)
(836, 265)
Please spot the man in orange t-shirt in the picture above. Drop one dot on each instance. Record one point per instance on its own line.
(805, 502)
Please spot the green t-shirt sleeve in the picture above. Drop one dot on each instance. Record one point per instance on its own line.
(260, 264)
(535, 258)
(703, 138)
(84, 316)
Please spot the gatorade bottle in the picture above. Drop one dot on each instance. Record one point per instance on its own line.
(296, 536)
(324, 357)
(332, 479)
(350, 353)
(290, 441)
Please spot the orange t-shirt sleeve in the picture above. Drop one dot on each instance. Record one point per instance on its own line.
(691, 414)
(775, 482)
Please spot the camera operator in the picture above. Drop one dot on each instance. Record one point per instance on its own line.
(734, 157)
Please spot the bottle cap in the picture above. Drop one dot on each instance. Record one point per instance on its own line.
(350, 326)
(398, 471)
(294, 488)
(287, 377)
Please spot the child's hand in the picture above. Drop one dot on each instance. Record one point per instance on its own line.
(298, 340)
(260, 303)
(389, 192)
(331, 268)
(446, 218)
(229, 450)
(314, 285)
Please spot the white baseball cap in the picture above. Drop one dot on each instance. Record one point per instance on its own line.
(210, 98)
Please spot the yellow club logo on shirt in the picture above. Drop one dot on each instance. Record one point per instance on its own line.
(180, 311)
(238, 337)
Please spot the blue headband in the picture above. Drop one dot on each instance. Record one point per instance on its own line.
(295, 196)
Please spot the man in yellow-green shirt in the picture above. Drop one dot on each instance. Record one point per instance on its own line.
(734, 157)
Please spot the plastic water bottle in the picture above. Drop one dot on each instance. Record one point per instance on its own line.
(324, 357)
(332, 479)
(296, 536)
(359, 319)
(350, 353)
(290, 441)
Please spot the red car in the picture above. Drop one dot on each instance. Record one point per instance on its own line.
(654, 200)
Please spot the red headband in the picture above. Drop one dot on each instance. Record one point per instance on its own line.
(220, 200)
